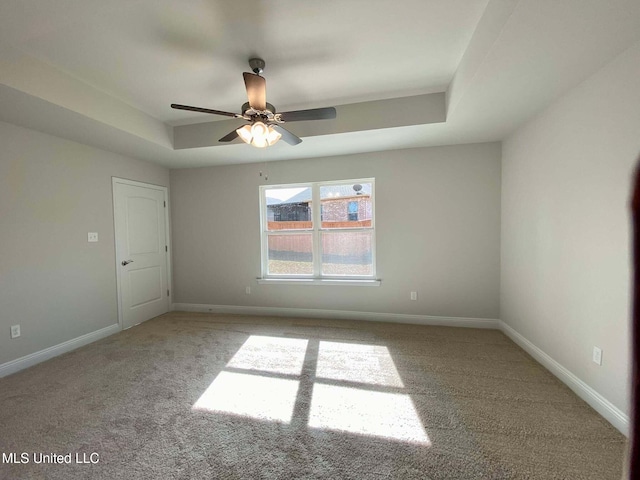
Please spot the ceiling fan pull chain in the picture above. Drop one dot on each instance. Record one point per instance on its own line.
(265, 175)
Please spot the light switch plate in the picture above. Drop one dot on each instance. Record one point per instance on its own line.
(597, 355)
(92, 236)
(15, 331)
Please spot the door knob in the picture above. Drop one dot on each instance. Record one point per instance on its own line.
(126, 262)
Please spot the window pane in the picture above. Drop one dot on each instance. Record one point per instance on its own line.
(288, 208)
(346, 205)
(290, 254)
(346, 253)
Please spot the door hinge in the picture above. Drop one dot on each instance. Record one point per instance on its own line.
(167, 292)
(166, 248)
(165, 204)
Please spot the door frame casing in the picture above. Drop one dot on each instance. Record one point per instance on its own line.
(167, 235)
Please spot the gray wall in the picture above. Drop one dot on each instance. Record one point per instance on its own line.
(565, 226)
(52, 282)
(437, 221)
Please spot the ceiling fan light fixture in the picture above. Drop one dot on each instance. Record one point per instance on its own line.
(258, 134)
(244, 133)
(273, 136)
(259, 142)
(259, 130)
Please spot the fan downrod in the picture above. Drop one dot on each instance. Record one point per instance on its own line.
(256, 65)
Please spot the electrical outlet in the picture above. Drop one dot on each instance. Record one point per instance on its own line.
(247, 290)
(597, 355)
(414, 296)
(92, 237)
(15, 331)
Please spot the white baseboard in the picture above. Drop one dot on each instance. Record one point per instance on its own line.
(340, 314)
(37, 357)
(604, 407)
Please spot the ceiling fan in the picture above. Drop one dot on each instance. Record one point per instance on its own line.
(265, 127)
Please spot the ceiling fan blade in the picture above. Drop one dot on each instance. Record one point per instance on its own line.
(312, 114)
(287, 136)
(204, 110)
(256, 90)
(230, 137)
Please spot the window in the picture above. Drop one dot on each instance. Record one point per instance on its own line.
(353, 211)
(322, 230)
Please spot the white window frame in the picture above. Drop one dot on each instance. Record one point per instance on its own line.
(316, 231)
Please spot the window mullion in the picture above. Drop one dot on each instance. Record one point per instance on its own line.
(317, 250)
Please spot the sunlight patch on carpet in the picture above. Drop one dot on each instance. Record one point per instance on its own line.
(271, 354)
(252, 396)
(379, 414)
(356, 362)
(269, 388)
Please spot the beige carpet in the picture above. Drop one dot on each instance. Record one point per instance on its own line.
(205, 396)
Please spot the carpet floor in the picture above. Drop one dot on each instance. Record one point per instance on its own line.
(189, 395)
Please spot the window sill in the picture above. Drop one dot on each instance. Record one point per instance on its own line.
(317, 281)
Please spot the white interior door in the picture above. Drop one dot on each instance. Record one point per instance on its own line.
(141, 251)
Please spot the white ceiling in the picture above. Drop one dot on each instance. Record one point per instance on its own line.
(104, 73)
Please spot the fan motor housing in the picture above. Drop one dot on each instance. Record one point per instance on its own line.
(246, 106)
